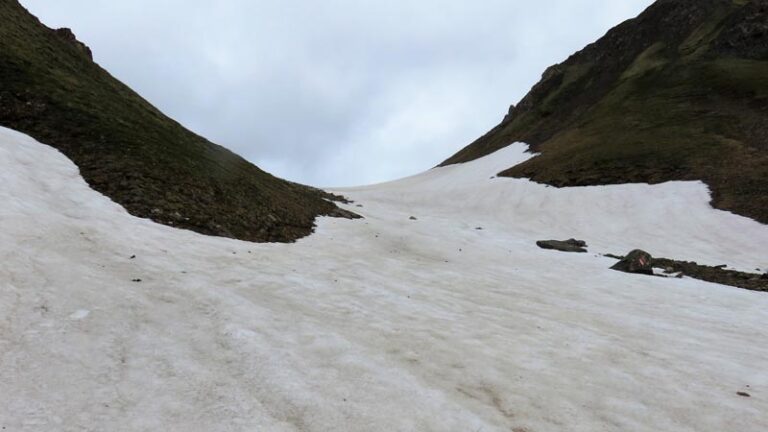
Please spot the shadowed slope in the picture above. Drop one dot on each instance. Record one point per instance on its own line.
(128, 150)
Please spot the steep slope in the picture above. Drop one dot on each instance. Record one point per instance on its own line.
(679, 93)
(128, 150)
(113, 323)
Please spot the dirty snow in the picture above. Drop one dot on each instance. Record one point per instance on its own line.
(381, 324)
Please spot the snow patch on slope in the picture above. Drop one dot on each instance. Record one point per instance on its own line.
(380, 324)
(672, 219)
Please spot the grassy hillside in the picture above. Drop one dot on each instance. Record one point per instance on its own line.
(128, 150)
(679, 93)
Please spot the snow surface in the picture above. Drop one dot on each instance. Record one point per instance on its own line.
(381, 324)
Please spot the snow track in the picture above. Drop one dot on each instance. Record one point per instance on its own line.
(381, 324)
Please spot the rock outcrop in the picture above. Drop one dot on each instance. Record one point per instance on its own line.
(69, 37)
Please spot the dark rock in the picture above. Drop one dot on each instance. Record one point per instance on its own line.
(746, 33)
(70, 37)
(764, 276)
(637, 261)
(133, 256)
(412, 218)
(743, 394)
(570, 245)
(343, 214)
(510, 114)
(338, 198)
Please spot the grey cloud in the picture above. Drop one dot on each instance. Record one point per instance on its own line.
(339, 92)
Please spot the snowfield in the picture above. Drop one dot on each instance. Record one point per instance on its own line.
(380, 324)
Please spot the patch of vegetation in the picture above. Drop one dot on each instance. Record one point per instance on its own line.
(679, 93)
(650, 60)
(128, 150)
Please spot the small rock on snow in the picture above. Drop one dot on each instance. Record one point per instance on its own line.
(570, 245)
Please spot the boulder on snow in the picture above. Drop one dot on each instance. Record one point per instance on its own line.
(637, 261)
(570, 245)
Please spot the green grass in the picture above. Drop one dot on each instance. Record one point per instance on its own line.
(650, 60)
(570, 79)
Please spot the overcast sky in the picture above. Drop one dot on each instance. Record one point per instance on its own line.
(335, 92)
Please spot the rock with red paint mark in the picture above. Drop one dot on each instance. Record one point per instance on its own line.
(637, 261)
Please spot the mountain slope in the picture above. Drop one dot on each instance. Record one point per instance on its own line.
(679, 93)
(128, 150)
(113, 323)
